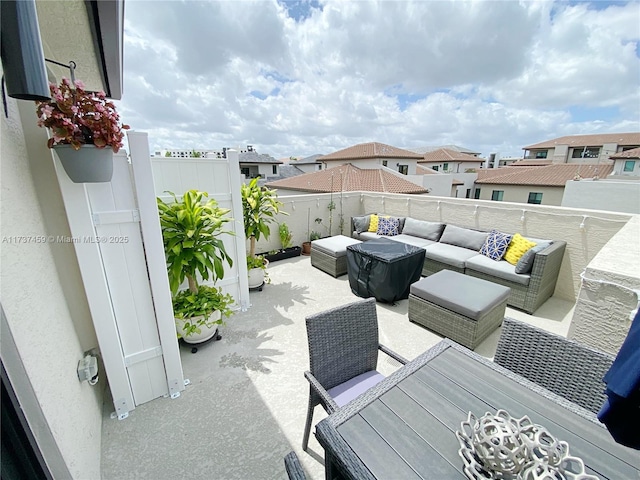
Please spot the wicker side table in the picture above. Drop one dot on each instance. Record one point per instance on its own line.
(330, 254)
(463, 308)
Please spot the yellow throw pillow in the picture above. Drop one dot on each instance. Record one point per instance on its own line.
(517, 248)
(373, 224)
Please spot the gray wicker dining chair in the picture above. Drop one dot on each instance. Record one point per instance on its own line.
(567, 368)
(343, 356)
(293, 467)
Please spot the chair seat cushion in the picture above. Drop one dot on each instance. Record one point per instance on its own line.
(347, 391)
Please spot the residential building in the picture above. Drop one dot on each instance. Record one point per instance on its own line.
(346, 178)
(455, 148)
(496, 161)
(542, 185)
(626, 163)
(308, 164)
(374, 155)
(258, 165)
(583, 148)
(450, 161)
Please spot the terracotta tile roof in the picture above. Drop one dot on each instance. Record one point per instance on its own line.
(353, 179)
(455, 148)
(447, 155)
(548, 175)
(590, 140)
(633, 153)
(369, 150)
(422, 170)
(531, 163)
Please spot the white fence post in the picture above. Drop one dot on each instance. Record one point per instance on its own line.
(154, 252)
(241, 249)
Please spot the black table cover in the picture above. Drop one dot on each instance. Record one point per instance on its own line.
(383, 269)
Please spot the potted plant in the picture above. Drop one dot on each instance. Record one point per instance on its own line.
(260, 205)
(191, 228)
(85, 130)
(287, 250)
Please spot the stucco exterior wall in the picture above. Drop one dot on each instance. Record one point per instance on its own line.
(609, 293)
(520, 193)
(616, 196)
(43, 296)
(378, 162)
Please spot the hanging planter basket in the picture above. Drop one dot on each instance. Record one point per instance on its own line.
(87, 165)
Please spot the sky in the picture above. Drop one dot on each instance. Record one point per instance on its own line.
(297, 78)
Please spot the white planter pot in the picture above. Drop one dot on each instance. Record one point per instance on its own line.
(87, 165)
(256, 277)
(205, 332)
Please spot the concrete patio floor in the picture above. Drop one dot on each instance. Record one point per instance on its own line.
(245, 407)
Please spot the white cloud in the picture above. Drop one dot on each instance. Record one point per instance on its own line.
(491, 76)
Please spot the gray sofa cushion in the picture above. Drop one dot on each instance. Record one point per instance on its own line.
(364, 236)
(468, 296)
(361, 224)
(501, 269)
(463, 237)
(423, 229)
(411, 240)
(525, 264)
(449, 254)
(335, 246)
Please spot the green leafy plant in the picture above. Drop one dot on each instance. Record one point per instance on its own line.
(191, 228)
(188, 305)
(260, 205)
(285, 235)
(190, 231)
(314, 236)
(79, 117)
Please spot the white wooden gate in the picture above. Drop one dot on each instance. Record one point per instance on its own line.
(220, 178)
(118, 242)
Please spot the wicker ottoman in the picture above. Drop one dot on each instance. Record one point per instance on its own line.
(463, 308)
(330, 254)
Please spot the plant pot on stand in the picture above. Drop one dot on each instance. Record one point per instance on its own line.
(88, 164)
(257, 275)
(208, 329)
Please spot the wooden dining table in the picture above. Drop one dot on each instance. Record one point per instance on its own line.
(404, 427)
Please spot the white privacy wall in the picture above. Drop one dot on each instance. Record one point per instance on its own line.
(220, 178)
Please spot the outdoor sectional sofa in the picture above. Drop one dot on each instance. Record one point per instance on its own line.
(532, 280)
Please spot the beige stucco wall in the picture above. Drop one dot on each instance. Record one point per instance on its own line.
(609, 292)
(520, 193)
(42, 294)
(377, 163)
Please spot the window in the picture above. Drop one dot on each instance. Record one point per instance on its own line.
(586, 152)
(244, 171)
(384, 163)
(403, 169)
(445, 167)
(468, 193)
(629, 165)
(497, 195)
(476, 194)
(435, 168)
(535, 198)
(541, 154)
(274, 169)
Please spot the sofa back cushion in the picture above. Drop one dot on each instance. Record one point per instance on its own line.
(525, 264)
(463, 237)
(423, 229)
(361, 224)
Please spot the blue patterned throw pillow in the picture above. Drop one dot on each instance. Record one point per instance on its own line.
(496, 244)
(388, 226)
